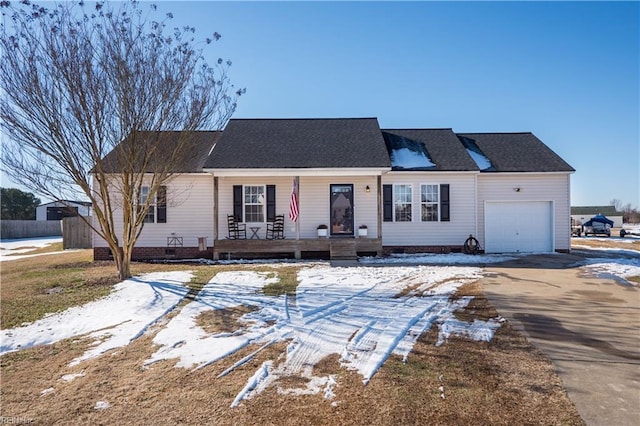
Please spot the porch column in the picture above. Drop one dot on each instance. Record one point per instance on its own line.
(215, 208)
(380, 218)
(297, 252)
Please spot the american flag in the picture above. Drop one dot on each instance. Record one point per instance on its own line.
(293, 205)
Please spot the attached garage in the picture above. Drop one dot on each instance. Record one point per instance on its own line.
(519, 227)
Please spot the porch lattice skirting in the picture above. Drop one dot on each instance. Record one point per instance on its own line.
(148, 253)
(336, 248)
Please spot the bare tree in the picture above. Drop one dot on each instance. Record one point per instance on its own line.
(80, 82)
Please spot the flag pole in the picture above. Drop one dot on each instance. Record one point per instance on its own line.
(297, 178)
(294, 210)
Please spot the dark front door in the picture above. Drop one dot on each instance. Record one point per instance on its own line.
(342, 209)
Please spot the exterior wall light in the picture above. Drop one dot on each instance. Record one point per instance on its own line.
(367, 189)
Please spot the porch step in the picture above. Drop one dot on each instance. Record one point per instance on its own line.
(343, 249)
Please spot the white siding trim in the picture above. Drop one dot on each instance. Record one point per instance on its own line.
(315, 172)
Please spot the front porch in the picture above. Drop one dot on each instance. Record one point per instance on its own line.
(339, 248)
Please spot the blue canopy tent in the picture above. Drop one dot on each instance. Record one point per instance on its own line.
(599, 218)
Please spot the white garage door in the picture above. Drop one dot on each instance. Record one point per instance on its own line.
(518, 227)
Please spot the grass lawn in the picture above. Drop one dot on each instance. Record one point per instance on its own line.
(505, 381)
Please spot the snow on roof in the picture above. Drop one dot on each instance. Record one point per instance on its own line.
(481, 160)
(406, 158)
(476, 154)
(406, 153)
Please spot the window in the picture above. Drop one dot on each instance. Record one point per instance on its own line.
(158, 205)
(435, 203)
(254, 203)
(402, 202)
(429, 200)
(151, 212)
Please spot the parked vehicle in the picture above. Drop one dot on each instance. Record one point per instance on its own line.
(598, 225)
(597, 228)
(576, 228)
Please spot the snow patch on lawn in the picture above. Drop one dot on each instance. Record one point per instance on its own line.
(620, 269)
(363, 314)
(46, 391)
(12, 249)
(101, 405)
(614, 263)
(114, 321)
(436, 259)
(71, 377)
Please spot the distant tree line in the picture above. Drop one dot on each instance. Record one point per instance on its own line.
(630, 214)
(17, 204)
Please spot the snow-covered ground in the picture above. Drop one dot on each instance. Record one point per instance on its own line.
(18, 249)
(112, 321)
(615, 263)
(363, 314)
(607, 262)
(357, 313)
(437, 259)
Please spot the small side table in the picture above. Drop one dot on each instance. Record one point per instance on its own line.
(254, 232)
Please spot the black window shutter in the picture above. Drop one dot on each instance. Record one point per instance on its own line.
(387, 203)
(161, 205)
(445, 214)
(237, 202)
(271, 203)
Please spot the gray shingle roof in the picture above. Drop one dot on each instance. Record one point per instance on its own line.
(193, 153)
(300, 143)
(518, 152)
(337, 143)
(593, 210)
(442, 147)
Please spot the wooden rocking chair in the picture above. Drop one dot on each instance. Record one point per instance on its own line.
(236, 230)
(275, 229)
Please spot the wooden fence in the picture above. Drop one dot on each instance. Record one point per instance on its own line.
(76, 233)
(15, 229)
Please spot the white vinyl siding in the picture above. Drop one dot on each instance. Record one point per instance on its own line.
(424, 233)
(313, 200)
(189, 214)
(529, 187)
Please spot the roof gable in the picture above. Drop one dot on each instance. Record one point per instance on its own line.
(517, 152)
(300, 143)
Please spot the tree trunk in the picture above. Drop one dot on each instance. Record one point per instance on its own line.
(123, 264)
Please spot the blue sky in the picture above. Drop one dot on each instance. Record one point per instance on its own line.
(566, 71)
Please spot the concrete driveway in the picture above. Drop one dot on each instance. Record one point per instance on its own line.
(589, 327)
